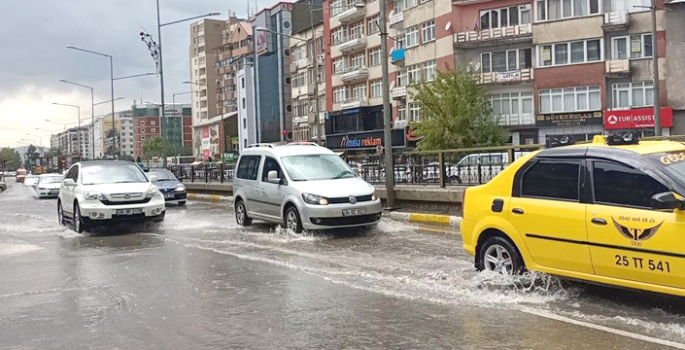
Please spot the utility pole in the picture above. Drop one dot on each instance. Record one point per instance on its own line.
(655, 63)
(387, 112)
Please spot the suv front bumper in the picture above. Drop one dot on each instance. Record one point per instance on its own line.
(95, 211)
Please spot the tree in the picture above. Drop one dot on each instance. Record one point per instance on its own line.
(30, 156)
(455, 113)
(11, 158)
(153, 147)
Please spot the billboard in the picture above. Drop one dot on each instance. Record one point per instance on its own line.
(110, 136)
(639, 118)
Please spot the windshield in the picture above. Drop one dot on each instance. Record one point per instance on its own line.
(51, 179)
(314, 167)
(673, 164)
(163, 175)
(111, 174)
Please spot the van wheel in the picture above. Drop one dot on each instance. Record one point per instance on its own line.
(292, 219)
(241, 214)
(499, 255)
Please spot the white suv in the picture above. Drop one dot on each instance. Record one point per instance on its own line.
(105, 192)
(304, 186)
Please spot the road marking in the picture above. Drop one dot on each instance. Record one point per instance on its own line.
(435, 230)
(645, 338)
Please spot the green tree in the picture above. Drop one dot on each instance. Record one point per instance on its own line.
(30, 156)
(455, 113)
(11, 158)
(153, 147)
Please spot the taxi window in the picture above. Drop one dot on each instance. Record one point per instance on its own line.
(621, 185)
(554, 179)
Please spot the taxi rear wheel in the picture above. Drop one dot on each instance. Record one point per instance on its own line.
(499, 255)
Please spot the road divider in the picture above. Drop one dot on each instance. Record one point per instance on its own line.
(210, 197)
(428, 219)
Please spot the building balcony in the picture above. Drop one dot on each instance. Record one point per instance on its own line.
(354, 13)
(396, 21)
(352, 43)
(616, 21)
(617, 68)
(298, 64)
(397, 57)
(301, 120)
(510, 77)
(354, 74)
(302, 90)
(515, 120)
(354, 102)
(494, 36)
(399, 93)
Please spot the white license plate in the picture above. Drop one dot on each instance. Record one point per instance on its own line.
(353, 212)
(129, 211)
(169, 195)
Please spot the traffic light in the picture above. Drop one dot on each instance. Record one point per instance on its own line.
(64, 163)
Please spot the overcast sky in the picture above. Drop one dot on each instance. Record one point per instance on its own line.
(33, 57)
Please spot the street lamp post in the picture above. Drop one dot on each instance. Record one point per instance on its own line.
(92, 111)
(78, 131)
(387, 115)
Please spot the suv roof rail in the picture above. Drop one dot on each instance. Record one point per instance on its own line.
(302, 143)
(260, 145)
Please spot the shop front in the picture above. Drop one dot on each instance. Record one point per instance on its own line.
(582, 126)
(640, 120)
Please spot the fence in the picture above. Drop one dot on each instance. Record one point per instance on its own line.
(204, 172)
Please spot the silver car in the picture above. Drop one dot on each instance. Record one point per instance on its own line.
(48, 185)
(303, 186)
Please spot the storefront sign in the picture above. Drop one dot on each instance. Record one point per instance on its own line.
(364, 140)
(205, 142)
(569, 119)
(503, 77)
(262, 44)
(636, 118)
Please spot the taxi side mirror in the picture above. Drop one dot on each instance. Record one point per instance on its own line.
(666, 201)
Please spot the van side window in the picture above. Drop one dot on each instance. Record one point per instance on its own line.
(619, 184)
(248, 167)
(552, 179)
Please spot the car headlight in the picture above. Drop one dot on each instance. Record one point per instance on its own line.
(373, 197)
(151, 192)
(180, 188)
(314, 199)
(92, 196)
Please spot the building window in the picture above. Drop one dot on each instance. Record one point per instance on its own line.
(504, 17)
(243, 103)
(639, 46)
(503, 61)
(359, 92)
(153, 122)
(374, 57)
(300, 108)
(299, 79)
(429, 70)
(573, 99)
(399, 42)
(338, 36)
(358, 61)
(374, 26)
(337, 7)
(356, 29)
(244, 123)
(299, 52)
(630, 5)
(548, 10)
(410, 3)
(402, 112)
(142, 130)
(428, 31)
(142, 122)
(142, 138)
(402, 78)
(513, 108)
(376, 88)
(414, 112)
(242, 82)
(411, 36)
(153, 130)
(339, 95)
(338, 66)
(630, 95)
(414, 74)
(570, 53)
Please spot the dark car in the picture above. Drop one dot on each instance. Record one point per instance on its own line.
(172, 189)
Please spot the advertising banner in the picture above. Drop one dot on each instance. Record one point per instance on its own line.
(503, 77)
(110, 135)
(569, 119)
(639, 118)
(206, 142)
(365, 140)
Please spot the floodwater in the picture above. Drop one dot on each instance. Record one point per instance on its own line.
(200, 282)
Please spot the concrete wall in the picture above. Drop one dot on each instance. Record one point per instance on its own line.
(675, 48)
(568, 30)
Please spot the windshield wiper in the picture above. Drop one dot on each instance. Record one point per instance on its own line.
(343, 173)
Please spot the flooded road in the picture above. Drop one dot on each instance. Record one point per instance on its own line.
(201, 282)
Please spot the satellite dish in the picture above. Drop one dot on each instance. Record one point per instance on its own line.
(392, 85)
(476, 68)
(448, 26)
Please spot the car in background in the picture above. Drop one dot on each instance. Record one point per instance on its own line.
(3, 187)
(48, 185)
(303, 187)
(106, 193)
(21, 174)
(167, 183)
(30, 180)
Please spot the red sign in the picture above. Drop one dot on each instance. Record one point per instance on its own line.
(636, 118)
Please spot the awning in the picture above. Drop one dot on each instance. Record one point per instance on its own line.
(195, 163)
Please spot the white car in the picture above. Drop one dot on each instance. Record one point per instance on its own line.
(48, 185)
(303, 186)
(30, 180)
(108, 192)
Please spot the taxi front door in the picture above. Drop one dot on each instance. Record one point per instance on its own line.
(629, 240)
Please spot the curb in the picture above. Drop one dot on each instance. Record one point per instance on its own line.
(430, 219)
(210, 197)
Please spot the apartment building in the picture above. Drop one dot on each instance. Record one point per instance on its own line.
(109, 136)
(73, 141)
(206, 38)
(146, 124)
(308, 80)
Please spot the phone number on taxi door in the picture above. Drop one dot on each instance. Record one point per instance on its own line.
(641, 263)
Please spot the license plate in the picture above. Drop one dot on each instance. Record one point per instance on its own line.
(353, 212)
(129, 211)
(169, 195)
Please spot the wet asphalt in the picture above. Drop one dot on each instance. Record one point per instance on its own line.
(200, 282)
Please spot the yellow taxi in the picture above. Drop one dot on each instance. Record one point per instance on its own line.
(610, 211)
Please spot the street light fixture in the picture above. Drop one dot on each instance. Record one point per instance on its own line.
(103, 102)
(78, 131)
(111, 77)
(92, 110)
(135, 76)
